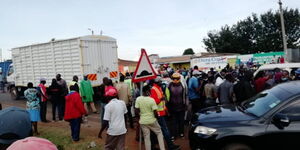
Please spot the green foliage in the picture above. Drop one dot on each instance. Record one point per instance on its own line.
(256, 34)
(188, 51)
(62, 139)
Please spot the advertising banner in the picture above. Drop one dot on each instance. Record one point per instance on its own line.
(211, 62)
(267, 58)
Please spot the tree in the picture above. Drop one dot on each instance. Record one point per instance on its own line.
(188, 51)
(255, 34)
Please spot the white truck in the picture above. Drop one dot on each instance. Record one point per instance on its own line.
(95, 56)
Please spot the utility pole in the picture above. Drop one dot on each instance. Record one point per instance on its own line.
(282, 27)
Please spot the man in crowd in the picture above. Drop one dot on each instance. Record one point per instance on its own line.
(62, 83)
(87, 92)
(124, 94)
(225, 90)
(74, 111)
(210, 91)
(220, 77)
(103, 99)
(146, 107)
(177, 105)
(158, 95)
(74, 83)
(243, 89)
(194, 91)
(43, 98)
(114, 120)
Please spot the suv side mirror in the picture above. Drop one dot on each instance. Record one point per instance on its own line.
(281, 120)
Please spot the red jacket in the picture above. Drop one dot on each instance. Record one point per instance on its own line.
(74, 106)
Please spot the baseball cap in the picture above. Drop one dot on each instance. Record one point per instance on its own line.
(111, 91)
(14, 129)
(32, 143)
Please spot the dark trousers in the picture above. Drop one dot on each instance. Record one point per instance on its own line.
(165, 131)
(54, 108)
(75, 128)
(129, 116)
(61, 108)
(57, 107)
(115, 142)
(43, 111)
(196, 105)
(177, 123)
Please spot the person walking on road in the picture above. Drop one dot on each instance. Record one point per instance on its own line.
(74, 111)
(158, 95)
(124, 94)
(87, 92)
(146, 107)
(55, 92)
(44, 98)
(115, 122)
(33, 106)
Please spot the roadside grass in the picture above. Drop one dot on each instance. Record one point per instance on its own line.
(62, 139)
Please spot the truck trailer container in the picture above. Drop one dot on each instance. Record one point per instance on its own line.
(95, 56)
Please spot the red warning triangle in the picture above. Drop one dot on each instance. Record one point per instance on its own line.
(144, 70)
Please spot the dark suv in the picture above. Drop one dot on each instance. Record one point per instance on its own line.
(269, 120)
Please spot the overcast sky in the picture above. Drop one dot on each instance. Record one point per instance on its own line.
(164, 27)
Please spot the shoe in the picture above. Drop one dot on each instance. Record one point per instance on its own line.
(96, 112)
(172, 139)
(181, 135)
(175, 147)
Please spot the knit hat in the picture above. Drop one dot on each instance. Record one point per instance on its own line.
(32, 143)
(176, 75)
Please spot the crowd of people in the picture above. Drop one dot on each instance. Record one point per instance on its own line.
(160, 113)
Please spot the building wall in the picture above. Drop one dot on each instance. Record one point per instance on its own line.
(180, 65)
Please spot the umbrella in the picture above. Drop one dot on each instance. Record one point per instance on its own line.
(15, 124)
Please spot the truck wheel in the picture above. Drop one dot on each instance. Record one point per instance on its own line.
(14, 93)
(236, 146)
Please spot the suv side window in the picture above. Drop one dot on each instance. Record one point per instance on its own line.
(293, 111)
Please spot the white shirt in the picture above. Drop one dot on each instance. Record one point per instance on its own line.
(114, 114)
(219, 81)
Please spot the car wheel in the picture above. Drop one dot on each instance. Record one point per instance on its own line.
(236, 146)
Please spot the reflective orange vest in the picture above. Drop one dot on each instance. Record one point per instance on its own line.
(161, 106)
